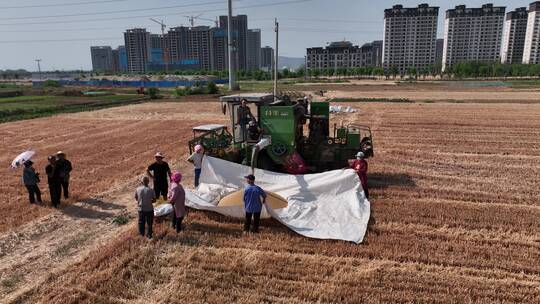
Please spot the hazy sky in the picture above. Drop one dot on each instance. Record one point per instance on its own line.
(304, 24)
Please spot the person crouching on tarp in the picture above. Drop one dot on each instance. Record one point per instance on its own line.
(252, 203)
(360, 165)
(177, 197)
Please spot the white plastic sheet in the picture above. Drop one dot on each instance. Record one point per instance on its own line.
(342, 109)
(163, 210)
(329, 205)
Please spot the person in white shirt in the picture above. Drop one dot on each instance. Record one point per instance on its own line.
(196, 159)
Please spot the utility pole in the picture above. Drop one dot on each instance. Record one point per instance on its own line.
(305, 67)
(230, 48)
(276, 59)
(39, 67)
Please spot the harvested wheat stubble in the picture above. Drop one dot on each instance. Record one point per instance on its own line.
(105, 152)
(454, 219)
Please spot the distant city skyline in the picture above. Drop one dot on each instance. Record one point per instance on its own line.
(66, 44)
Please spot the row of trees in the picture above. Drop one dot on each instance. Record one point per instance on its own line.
(465, 69)
(473, 69)
(14, 74)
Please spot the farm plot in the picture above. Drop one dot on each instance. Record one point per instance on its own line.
(454, 219)
(27, 107)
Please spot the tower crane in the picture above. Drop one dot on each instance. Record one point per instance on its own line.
(198, 17)
(165, 43)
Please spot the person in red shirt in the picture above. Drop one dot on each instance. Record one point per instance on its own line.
(360, 165)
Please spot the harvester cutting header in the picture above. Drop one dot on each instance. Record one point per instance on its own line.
(269, 134)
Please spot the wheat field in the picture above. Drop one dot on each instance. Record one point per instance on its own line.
(455, 208)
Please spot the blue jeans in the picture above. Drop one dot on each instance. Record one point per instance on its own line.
(197, 176)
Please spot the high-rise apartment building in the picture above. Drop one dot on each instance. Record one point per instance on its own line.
(267, 58)
(199, 46)
(122, 58)
(102, 58)
(377, 51)
(531, 50)
(410, 36)
(239, 33)
(220, 57)
(115, 61)
(342, 54)
(138, 49)
(439, 52)
(157, 41)
(473, 34)
(513, 41)
(177, 37)
(254, 49)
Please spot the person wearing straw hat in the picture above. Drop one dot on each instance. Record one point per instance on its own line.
(31, 180)
(253, 204)
(159, 171)
(177, 198)
(360, 165)
(196, 159)
(64, 168)
(145, 197)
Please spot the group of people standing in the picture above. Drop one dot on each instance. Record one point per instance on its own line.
(160, 173)
(59, 169)
(58, 172)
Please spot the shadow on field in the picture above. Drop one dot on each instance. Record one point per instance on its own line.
(385, 180)
(103, 205)
(92, 209)
(209, 222)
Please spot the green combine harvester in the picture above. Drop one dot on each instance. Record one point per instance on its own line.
(277, 139)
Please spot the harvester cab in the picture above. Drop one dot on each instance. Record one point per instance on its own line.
(270, 134)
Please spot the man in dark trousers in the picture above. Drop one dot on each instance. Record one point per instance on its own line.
(54, 181)
(145, 198)
(252, 203)
(65, 168)
(360, 165)
(159, 172)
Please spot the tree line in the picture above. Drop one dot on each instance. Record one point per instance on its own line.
(464, 69)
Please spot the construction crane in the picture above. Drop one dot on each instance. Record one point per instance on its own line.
(165, 43)
(198, 17)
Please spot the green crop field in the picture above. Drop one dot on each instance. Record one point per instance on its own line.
(26, 107)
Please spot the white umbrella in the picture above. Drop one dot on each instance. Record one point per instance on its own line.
(21, 158)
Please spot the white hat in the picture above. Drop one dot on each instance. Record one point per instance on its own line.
(60, 153)
(159, 154)
(360, 155)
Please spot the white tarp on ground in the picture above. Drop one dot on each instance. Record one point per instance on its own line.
(329, 205)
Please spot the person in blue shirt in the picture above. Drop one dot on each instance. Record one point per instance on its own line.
(253, 203)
